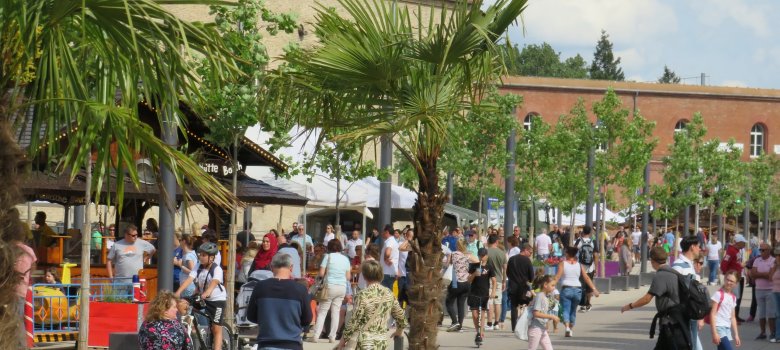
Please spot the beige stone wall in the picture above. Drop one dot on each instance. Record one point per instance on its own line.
(305, 12)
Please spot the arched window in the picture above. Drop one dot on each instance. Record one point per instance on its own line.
(680, 126)
(527, 121)
(757, 136)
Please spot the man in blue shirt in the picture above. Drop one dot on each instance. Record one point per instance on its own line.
(451, 240)
(281, 308)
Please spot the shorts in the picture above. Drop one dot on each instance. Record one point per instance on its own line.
(477, 302)
(216, 311)
(499, 293)
(766, 304)
(636, 248)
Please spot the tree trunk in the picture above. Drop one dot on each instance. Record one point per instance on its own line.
(12, 228)
(425, 261)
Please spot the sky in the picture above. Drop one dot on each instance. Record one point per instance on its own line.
(734, 42)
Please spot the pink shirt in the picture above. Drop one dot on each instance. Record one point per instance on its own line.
(24, 265)
(764, 265)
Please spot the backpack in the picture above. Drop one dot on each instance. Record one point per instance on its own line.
(210, 276)
(694, 297)
(586, 251)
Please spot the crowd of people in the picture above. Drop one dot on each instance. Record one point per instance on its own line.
(489, 273)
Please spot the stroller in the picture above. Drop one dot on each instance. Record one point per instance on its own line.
(248, 329)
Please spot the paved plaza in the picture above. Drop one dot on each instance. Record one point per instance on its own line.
(603, 328)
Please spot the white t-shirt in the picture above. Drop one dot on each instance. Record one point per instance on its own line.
(351, 244)
(328, 237)
(684, 266)
(391, 269)
(723, 317)
(636, 237)
(543, 243)
(200, 275)
(713, 250)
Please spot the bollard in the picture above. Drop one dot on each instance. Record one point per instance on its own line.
(398, 343)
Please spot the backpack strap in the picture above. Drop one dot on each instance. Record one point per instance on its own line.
(210, 276)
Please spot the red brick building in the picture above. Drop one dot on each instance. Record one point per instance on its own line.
(750, 116)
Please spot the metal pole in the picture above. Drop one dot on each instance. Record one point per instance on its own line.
(85, 267)
(385, 186)
(766, 220)
(365, 244)
(589, 201)
(509, 187)
(645, 219)
(167, 208)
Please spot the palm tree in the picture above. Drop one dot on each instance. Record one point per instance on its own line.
(79, 69)
(393, 73)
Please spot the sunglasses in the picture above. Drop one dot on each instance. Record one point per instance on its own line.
(135, 235)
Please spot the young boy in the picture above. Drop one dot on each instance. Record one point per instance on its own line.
(483, 288)
(209, 279)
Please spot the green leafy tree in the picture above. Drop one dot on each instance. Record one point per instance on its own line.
(409, 77)
(536, 161)
(683, 171)
(232, 104)
(668, 77)
(479, 146)
(543, 61)
(724, 177)
(72, 62)
(605, 66)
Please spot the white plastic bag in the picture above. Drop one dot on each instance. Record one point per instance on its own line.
(521, 328)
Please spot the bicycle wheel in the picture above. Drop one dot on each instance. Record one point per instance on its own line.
(227, 340)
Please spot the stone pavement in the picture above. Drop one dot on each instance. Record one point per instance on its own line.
(604, 327)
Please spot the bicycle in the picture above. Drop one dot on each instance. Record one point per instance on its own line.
(200, 334)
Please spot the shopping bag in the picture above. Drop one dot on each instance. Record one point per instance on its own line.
(521, 328)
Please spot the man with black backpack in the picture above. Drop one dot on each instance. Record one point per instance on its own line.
(587, 255)
(684, 264)
(678, 299)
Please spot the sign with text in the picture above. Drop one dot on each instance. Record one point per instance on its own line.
(219, 168)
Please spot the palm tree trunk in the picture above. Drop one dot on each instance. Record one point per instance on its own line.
(425, 260)
(86, 236)
(12, 228)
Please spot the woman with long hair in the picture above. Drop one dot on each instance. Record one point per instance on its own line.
(187, 262)
(626, 262)
(458, 290)
(267, 250)
(161, 328)
(374, 305)
(570, 273)
(336, 270)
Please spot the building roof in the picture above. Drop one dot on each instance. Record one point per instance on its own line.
(59, 189)
(599, 86)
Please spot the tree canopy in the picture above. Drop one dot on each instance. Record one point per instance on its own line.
(669, 77)
(542, 61)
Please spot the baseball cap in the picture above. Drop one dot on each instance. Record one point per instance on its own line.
(739, 238)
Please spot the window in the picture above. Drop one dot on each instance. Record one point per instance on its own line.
(527, 121)
(756, 140)
(680, 126)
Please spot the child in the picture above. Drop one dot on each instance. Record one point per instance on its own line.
(483, 287)
(724, 320)
(537, 328)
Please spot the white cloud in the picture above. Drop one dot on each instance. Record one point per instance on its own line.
(631, 59)
(576, 22)
(725, 13)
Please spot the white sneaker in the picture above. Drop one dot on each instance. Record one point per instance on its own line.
(567, 333)
(488, 328)
(773, 340)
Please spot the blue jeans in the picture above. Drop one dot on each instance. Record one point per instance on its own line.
(777, 312)
(695, 341)
(725, 344)
(505, 306)
(570, 298)
(713, 265)
(388, 282)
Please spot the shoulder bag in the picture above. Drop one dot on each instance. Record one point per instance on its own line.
(322, 289)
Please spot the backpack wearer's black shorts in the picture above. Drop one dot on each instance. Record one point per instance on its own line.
(216, 311)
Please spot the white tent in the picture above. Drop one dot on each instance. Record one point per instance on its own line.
(579, 217)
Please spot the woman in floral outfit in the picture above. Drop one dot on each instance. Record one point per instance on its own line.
(162, 330)
(373, 306)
